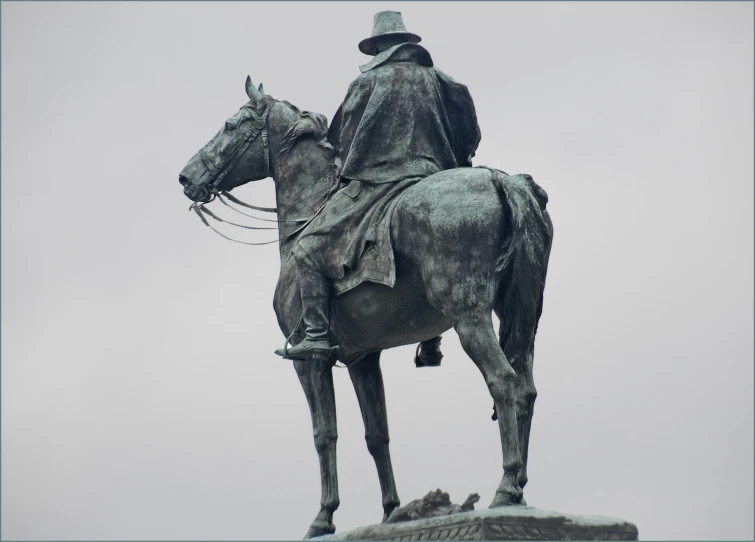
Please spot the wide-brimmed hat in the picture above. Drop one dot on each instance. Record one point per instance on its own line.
(386, 24)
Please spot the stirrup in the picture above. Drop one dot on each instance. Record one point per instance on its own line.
(427, 359)
(325, 349)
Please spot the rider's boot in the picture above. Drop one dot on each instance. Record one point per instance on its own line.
(315, 300)
(428, 353)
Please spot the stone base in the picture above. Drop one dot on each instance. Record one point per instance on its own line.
(504, 523)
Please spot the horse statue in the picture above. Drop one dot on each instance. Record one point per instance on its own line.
(467, 241)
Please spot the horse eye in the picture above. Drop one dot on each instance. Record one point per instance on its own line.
(231, 124)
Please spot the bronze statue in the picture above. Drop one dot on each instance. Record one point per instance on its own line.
(461, 242)
(401, 121)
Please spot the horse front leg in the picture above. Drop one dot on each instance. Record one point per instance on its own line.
(368, 384)
(316, 377)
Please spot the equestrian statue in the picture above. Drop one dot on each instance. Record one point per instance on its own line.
(388, 236)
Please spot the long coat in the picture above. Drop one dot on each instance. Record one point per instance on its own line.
(402, 120)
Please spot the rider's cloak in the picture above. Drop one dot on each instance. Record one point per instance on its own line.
(401, 121)
(404, 118)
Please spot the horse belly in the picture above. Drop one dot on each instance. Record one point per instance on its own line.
(376, 317)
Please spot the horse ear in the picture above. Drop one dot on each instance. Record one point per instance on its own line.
(252, 92)
(261, 89)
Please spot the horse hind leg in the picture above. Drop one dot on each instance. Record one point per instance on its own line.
(477, 337)
(518, 328)
(526, 393)
(518, 347)
(368, 385)
(316, 378)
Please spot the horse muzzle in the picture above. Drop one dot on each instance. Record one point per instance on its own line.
(194, 192)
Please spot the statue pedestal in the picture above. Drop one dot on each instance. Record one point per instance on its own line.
(504, 523)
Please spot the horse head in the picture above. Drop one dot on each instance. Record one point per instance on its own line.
(268, 138)
(236, 155)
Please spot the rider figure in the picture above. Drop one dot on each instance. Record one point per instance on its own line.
(401, 121)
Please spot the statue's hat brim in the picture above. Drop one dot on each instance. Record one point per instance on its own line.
(387, 25)
(366, 44)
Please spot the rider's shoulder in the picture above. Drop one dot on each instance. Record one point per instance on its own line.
(448, 80)
(364, 81)
(443, 75)
(403, 52)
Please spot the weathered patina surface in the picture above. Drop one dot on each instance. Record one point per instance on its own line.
(467, 242)
(401, 121)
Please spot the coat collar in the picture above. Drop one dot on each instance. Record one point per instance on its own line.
(402, 51)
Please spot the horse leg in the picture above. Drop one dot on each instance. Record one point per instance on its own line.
(525, 404)
(368, 384)
(526, 393)
(316, 377)
(478, 339)
(522, 358)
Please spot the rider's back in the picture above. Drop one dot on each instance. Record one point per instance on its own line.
(402, 118)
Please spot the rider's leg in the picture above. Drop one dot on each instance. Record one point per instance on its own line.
(429, 354)
(315, 300)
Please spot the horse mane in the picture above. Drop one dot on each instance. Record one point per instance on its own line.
(307, 124)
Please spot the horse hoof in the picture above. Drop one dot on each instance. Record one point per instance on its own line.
(507, 499)
(388, 510)
(319, 528)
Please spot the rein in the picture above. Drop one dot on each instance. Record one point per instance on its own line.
(259, 128)
(201, 211)
(239, 202)
(197, 208)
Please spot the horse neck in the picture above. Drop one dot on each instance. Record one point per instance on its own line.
(304, 175)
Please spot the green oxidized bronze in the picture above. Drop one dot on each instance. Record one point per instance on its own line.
(388, 237)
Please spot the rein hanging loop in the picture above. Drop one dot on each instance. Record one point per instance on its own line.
(259, 129)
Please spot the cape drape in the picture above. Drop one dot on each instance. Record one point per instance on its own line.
(401, 121)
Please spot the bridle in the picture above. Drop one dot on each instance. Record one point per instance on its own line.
(258, 129)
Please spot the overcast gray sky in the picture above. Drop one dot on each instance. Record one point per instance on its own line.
(141, 398)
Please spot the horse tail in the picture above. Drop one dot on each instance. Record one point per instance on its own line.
(522, 265)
